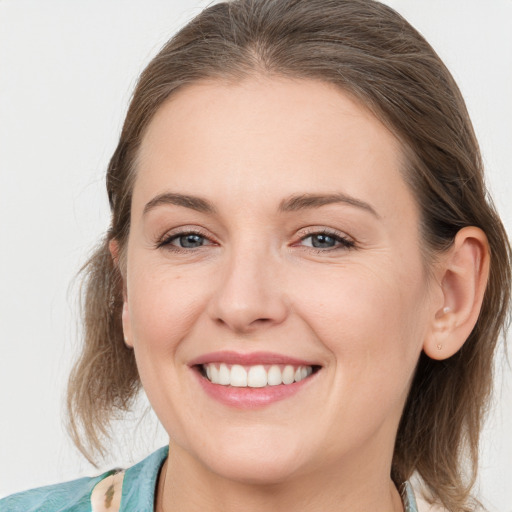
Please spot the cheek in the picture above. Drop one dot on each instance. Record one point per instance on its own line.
(163, 307)
(370, 319)
(370, 316)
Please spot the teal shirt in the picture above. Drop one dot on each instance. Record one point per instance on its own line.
(138, 493)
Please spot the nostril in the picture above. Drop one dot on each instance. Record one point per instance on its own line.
(243, 324)
(262, 321)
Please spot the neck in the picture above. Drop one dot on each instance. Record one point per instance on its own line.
(185, 484)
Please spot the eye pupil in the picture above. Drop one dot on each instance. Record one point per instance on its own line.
(322, 241)
(191, 240)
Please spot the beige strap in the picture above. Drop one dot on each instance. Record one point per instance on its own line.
(106, 495)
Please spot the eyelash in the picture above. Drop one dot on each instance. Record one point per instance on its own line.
(167, 239)
(343, 242)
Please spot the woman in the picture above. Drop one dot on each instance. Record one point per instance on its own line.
(302, 271)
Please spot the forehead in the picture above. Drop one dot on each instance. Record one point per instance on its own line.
(271, 136)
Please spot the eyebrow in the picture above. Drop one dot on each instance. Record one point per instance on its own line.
(305, 201)
(192, 202)
(291, 204)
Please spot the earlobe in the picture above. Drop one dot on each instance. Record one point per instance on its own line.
(463, 271)
(113, 247)
(126, 325)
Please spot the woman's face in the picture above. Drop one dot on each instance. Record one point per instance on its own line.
(272, 238)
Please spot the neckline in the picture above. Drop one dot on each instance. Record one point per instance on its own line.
(135, 488)
(408, 498)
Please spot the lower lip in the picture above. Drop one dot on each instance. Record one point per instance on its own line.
(251, 398)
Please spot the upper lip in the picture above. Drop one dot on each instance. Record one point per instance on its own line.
(253, 358)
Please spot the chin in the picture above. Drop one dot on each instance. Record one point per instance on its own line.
(257, 459)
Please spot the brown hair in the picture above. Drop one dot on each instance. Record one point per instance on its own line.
(371, 52)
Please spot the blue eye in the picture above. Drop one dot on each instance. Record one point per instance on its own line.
(322, 241)
(188, 241)
(184, 240)
(326, 241)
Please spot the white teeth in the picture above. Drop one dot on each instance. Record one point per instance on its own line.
(238, 376)
(274, 377)
(214, 377)
(288, 375)
(224, 375)
(257, 376)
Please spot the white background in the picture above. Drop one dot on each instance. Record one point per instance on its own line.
(67, 69)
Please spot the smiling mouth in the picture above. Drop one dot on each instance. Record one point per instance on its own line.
(255, 376)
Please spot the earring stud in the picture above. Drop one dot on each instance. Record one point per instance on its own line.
(439, 346)
(447, 310)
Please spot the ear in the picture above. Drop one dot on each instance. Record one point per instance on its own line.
(114, 249)
(462, 277)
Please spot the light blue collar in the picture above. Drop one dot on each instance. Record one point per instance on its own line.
(408, 498)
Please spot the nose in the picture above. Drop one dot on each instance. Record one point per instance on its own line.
(250, 294)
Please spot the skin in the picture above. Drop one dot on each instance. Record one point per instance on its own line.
(362, 311)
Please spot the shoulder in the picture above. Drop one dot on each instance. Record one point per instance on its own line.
(69, 496)
(132, 489)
